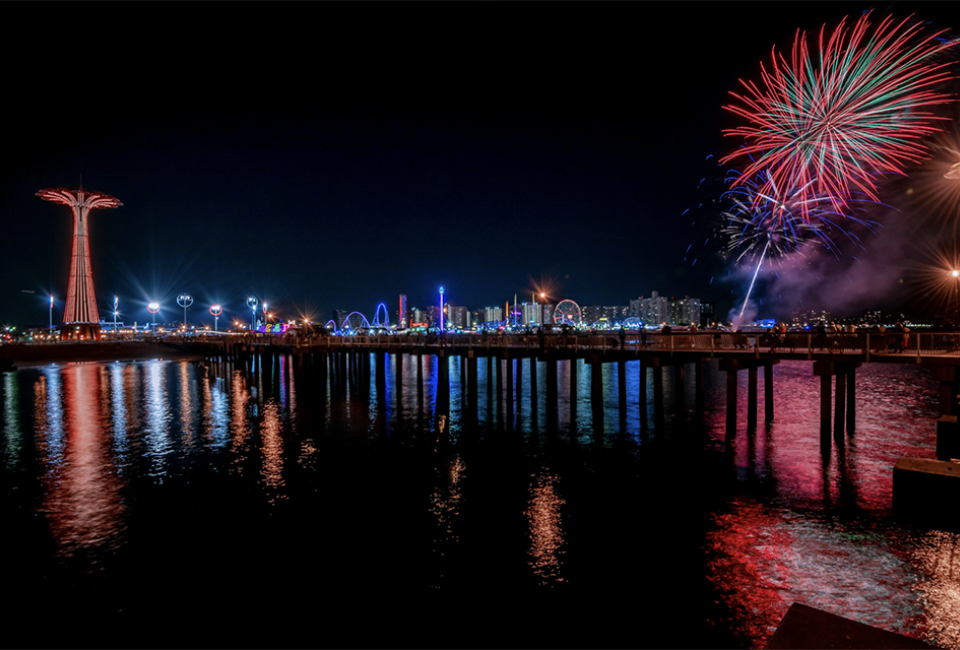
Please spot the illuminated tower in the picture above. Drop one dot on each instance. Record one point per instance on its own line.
(80, 313)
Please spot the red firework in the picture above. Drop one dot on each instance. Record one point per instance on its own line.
(833, 123)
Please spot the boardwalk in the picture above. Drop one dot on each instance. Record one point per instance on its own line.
(835, 359)
(933, 348)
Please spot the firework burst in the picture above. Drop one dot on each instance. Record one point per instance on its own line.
(831, 124)
(761, 225)
(779, 222)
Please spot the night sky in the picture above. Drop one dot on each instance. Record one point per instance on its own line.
(329, 157)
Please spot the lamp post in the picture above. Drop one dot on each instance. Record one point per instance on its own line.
(956, 297)
(184, 300)
(51, 312)
(116, 303)
(153, 308)
(252, 304)
(215, 311)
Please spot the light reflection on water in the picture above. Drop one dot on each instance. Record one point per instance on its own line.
(817, 528)
(791, 522)
(546, 530)
(82, 501)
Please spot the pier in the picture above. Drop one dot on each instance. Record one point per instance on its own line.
(833, 358)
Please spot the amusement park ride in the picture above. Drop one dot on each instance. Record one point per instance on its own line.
(81, 320)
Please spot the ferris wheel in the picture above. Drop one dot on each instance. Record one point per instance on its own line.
(567, 312)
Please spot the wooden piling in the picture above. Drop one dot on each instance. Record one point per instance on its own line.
(643, 395)
(839, 404)
(768, 391)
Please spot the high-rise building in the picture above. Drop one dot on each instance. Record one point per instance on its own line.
(456, 316)
(403, 318)
(684, 311)
(707, 314)
(492, 314)
(654, 310)
(548, 313)
(418, 318)
(531, 314)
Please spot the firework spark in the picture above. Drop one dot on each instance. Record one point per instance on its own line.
(782, 222)
(831, 124)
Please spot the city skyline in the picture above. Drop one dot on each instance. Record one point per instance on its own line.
(579, 168)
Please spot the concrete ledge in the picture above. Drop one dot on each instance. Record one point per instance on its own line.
(924, 491)
(807, 627)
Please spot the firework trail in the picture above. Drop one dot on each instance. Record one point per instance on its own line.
(754, 278)
(829, 124)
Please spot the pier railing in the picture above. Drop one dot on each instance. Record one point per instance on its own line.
(919, 344)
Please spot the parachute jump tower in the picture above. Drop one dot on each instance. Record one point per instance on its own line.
(81, 320)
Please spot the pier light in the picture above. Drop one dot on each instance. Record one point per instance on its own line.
(252, 304)
(215, 311)
(153, 308)
(956, 297)
(184, 300)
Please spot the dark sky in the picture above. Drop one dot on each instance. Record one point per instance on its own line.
(335, 156)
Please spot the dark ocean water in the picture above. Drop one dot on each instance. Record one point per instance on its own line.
(175, 503)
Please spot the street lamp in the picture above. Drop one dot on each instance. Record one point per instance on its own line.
(215, 311)
(153, 308)
(116, 303)
(184, 300)
(252, 304)
(956, 297)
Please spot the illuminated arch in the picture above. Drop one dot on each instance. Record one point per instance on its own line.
(386, 316)
(353, 325)
(633, 323)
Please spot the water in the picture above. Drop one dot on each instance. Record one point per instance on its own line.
(182, 503)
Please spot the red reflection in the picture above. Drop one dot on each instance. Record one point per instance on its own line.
(810, 524)
(83, 503)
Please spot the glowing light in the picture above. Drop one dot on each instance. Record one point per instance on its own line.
(863, 111)
(252, 304)
(376, 316)
(184, 300)
(567, 312)
(215, 311)
(441, 309)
